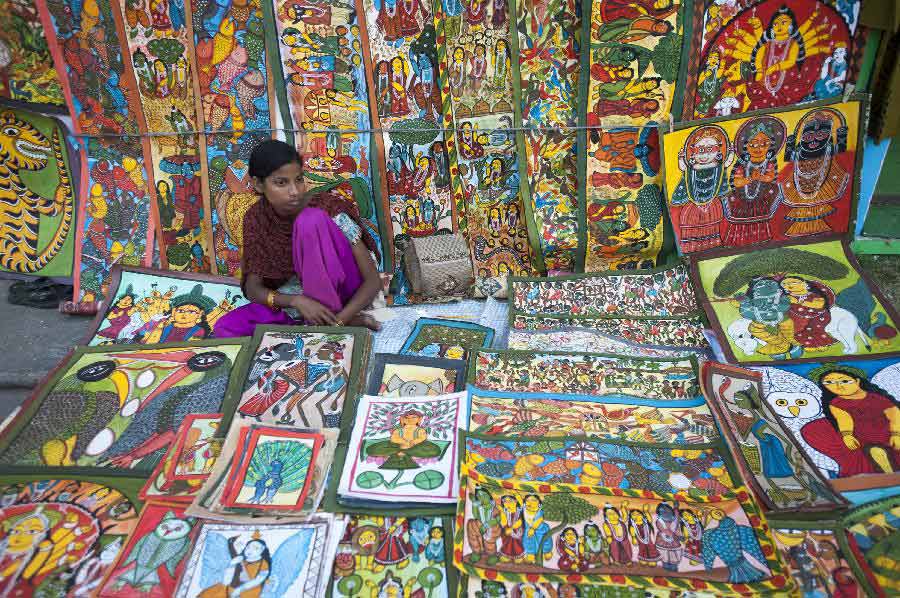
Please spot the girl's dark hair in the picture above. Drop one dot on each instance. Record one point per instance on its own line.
(270, 155)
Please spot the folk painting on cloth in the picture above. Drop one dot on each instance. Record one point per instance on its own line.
(278, 560)
(751, 180)
(119, 409)
(631, 57)
(486, 588)
(450, 339)
(403, 449)
(148, 307)
(411, 152)
(27, 73)
(779, 472)
(232, 76)
(394, 556)
(38, 191)
(156, 44)
(545, 85)
(674, 331)
(154, 557)
(757, 54)
(188, 462)
(62, 535)
(508, 414)
(695, 469)
(845, 415)
(303, 376)
(413, 376)
(476, 79)
(818, 556)
(794, 302)
(588, 341)
(583, 376)
(874, 531)
(515, 531)
(116, 218)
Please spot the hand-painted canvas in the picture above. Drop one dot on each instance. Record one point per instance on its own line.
(404, 449)
(232, 75)
(631, 64)
(659, 293)
(818, 556)
(678, 331)
(451, 339)
(269, 560)
(777, 469)
(267, 474)
(116, 219)
(412, 376)
(485, 588)
(27, 74)
(106, 409)
(758, 54)
(508, 414)
(323, 92)
(153, 306)
(474, 57)
(62, 535)
(750, 180)
(303, 376)
(590, 341)
(155, 47)
(394, 556)
(398, 40)
(794, 302)
(695, 469)
(874, 530)
(150, 563)
(513, 531)
(545, 86)
(583, 376)
(845, 415)
(38, 194)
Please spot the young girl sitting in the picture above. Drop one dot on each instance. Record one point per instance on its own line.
(291, 237)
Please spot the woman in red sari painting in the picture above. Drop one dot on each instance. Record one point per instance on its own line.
(392, 548)
(864, 414)
(810, 311)
(511, 531)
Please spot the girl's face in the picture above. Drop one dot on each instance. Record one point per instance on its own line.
(284, 189)
(841, 384)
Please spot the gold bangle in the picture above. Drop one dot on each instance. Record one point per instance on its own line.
(270, 300)
(338, 322)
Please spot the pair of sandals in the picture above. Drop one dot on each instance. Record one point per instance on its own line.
(41, 293)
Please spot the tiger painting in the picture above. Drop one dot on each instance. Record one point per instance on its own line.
(24, 147)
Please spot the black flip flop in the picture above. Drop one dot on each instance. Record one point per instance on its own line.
(43, 298)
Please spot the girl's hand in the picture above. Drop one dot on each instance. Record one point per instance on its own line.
(313, 312)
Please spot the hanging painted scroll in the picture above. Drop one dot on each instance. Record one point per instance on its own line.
(767, 53)
(321, 84)
(157, 52)
(633, 51)
(401, 67)
(232, 75)
(545, 81)
(27, 73)
(476, 78)
(115, 218)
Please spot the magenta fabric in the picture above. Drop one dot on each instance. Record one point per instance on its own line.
(324, 264)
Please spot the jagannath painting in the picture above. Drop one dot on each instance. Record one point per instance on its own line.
(747, 181)
(753, 54)
(119, 409)
(794, 301)
(61, 536)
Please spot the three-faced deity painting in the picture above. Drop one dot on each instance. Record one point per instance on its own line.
(752, 180)
(753, 54)
(794, 302)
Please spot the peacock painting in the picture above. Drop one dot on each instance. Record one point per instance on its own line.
(278, 474)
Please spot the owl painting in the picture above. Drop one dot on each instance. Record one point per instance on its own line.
(846, 416)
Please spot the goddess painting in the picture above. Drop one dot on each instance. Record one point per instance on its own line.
(703, 161)
(813, 179)
(755, 191)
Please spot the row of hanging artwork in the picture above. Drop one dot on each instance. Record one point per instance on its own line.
(474, 116)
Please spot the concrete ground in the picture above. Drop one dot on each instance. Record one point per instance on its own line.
(37, 339)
